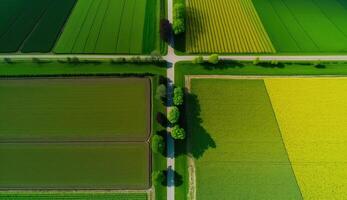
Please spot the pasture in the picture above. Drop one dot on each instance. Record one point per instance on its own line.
(32, 26)
(309, 26)
(75, 133)
(225, 26)
(236, 143)
(311, 113)
(106, 26)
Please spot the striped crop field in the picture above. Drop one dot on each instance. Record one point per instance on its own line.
(225, 26)
(108, 26)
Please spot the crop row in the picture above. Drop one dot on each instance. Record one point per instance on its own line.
(225, 26)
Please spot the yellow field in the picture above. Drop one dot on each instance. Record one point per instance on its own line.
(312, 115)
(225, 26)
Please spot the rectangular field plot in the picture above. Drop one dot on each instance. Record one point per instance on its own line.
(32, 26)
(311, 113)
(75, 133)
(74, 166)
(236, 143)
(73, 196)
(77, 109)
(225, 26)
(108, 26)
(305, 25)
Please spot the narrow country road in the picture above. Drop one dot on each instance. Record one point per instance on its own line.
(171, 60)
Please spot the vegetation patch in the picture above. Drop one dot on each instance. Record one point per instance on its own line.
(236, 142)
(305, 26)
(32, 26)
(107, 26)
(225, 26)
(312, 117)
(75, 133)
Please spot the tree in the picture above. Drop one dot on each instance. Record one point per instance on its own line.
(178, 133)
(161, 92)
(198, 60)
(256, 61)
(213, 59)
(158, 177)
(165, 30)
(179, 15)
(158, 144)
(178, 96)
(174, 115)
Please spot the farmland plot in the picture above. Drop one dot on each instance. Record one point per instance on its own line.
(312, 117)
(225, 26)
(311, 26)
(75, 133)
(236, 144)
(32, 26)
(108, 26)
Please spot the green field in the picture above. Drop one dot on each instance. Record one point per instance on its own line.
(225, 26)
(236, 143)
(79, 109)
(32, 26)
(311, 26)
(74, 165)
(75, 133)
(73, 195)
(107, 26)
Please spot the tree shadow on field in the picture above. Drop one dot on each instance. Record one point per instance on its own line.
(199, 139)
(223, 64)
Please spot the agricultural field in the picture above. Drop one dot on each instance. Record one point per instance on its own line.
(32, 26)
(233, 158)
(268, 138)
(73, 196)
(106, 26)
(225, 26)
(75, 133)
(312, 118)
(310, 26)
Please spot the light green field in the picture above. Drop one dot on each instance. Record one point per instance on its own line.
(225, 26)
(108, 26)
(312, 117)
(310, 26)
(74, 166)
(77, 109)
(237, 145)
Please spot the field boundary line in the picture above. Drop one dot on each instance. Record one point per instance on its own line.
(259, 77)
(191, 162)
(282, 139)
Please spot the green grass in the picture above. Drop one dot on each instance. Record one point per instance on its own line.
(54, 68)
(312, 26)
(32, 25)
(80, 109)
(74, 166)
(108, 27)
(71, 195)
(247, 68)
(232, 157)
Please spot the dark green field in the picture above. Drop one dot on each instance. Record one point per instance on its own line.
(72, 196)
(75, 133)
(32, 26)
(80, 109)
(74, 166)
